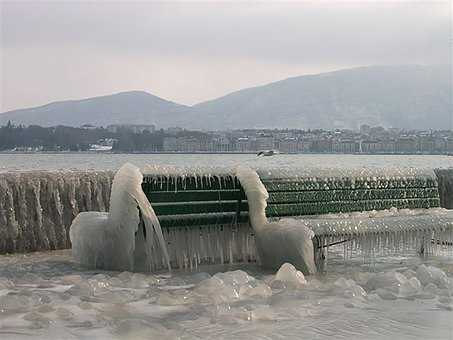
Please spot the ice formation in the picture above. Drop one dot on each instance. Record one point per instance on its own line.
(290, 276)
(228, 243)
(221, 242)
(386, 232)
(129, 237)
(326, 174)
(37, 207)
(173, 177)
(286, 240)
(36, 210)
(44, 296)
(445, 182)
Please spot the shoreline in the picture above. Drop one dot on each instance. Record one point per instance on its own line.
(216, 153)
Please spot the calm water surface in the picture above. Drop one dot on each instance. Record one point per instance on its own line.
(85, 161)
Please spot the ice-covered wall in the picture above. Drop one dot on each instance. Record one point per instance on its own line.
(37, 207)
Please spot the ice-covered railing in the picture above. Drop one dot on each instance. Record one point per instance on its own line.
(37, 207)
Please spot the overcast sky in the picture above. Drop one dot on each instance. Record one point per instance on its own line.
(189, 52)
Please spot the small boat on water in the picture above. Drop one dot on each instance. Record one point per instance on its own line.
(267, 153)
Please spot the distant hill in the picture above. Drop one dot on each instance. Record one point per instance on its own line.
(418, 97)
(391, 96)
(134, 107)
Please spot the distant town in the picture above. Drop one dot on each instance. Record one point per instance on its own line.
(149, 139)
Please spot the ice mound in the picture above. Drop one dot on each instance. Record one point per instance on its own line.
(349, 288)
(434, 275)
(286, 240)
(389, 280)
(127, 237)
(290, 276)
(410, 287)
(175, 298)
(426, 282)
(217, 290)
(232, 286)
(86, 240)
(236, 278)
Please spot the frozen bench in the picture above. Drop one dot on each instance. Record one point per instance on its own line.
(214, 209)
(373, 213)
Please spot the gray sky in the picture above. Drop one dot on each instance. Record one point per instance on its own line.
(194, 51)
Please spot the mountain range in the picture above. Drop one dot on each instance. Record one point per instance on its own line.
(408, 96)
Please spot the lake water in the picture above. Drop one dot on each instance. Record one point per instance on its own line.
(86, 161)
(401, 296)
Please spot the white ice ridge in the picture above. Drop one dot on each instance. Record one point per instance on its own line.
(364, 173)
(170, 175)
(125, 238)
(285, 240)
(186, 171)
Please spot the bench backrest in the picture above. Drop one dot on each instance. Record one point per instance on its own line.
(185, 201)
(294, 197)
(206, 200)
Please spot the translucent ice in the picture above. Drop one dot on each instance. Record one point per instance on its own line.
(430, 274)
(37, 207)
(217, 290)
(290, 276)
(349, 287)
(286, 240)
(260, 290)
(175, 298)
(128, 237)
(235, 278)
(410, 287)
(388, 280)
(386, 294)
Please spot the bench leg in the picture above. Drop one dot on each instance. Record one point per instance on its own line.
(320, 255)
(421, 251)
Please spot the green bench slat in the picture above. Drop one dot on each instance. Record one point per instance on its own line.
(297, 209)
(171, 221)
(292, 185)
(199, 207)
(350, 195)
(189, 183)
(193, 195)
